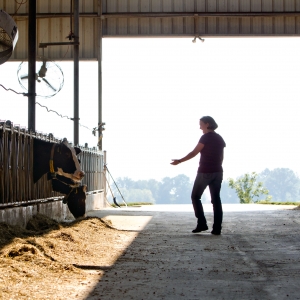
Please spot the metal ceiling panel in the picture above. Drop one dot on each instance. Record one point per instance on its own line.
(177, 18)
(150, 18)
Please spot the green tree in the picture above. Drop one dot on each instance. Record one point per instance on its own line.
(166, 191)
(183, 189)
(151, 185)
(176, 190)
(138, 195)
(282, 183)
(247, 188)
(132, 191)
(227, 194)
(124, 183)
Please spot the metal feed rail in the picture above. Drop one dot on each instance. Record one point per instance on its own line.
(16, 166)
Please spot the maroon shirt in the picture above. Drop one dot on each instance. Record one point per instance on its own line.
(212, 153)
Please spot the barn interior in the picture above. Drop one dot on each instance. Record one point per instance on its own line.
(49, 27)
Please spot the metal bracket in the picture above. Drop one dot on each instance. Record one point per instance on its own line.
(45, 45)
(29, 94)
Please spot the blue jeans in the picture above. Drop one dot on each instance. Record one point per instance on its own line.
(214, 181)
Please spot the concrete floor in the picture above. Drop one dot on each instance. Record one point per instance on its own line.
(256, 257)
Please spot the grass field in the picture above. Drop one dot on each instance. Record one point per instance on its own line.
(133, 204)
(278, 203)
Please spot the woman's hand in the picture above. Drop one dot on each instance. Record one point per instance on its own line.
(192, 154)
(175, 162)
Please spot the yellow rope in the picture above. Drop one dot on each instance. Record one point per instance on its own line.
(51, 166)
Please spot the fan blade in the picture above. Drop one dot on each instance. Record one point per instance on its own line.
(24, 77)
(49, 84)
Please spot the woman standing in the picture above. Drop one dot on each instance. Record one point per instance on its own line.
(210, 173)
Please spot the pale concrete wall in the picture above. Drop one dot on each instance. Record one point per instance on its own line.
(95, 201)
(17, 215)
(55, 210)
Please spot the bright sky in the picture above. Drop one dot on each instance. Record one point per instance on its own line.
(156, 90)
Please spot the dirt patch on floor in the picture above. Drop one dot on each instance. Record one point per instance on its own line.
(50, 260)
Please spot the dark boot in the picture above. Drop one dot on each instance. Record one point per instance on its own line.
(200, 228)
(216, 230)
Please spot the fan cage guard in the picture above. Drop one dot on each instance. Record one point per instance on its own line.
(43, 89)
(6, 46)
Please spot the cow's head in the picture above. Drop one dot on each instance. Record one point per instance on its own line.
(62, 184)
(74, 194)
(76, 201)
(65, 161)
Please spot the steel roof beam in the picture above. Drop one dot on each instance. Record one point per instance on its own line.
(167, 15)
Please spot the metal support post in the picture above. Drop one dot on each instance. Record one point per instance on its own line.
(76, 72)
(31, 64)
(100, 135)
(104, 172)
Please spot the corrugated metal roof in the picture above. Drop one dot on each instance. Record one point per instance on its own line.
(53, 25)
(203, 17)
(148, 18)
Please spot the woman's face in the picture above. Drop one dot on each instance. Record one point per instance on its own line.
(203, 126)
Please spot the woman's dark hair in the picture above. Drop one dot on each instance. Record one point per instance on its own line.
(212, 123)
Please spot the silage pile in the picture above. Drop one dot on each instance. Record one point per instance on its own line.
(48, 260)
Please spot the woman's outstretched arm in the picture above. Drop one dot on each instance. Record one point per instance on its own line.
(192, 154)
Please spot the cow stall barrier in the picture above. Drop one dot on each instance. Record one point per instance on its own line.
(16, 168)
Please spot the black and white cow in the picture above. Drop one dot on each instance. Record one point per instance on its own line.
(53, 158)
(62, 166)
(75, 194)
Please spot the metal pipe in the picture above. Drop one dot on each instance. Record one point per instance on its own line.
(167, 15)
(71, 21)
(100, 135)
(201, 14)
(56, 15)
(76, 72)
(31, 64)
(104, 172)
(45, 45)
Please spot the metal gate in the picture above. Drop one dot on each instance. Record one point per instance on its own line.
(16, 168)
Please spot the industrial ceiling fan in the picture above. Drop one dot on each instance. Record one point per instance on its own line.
(49, 77)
